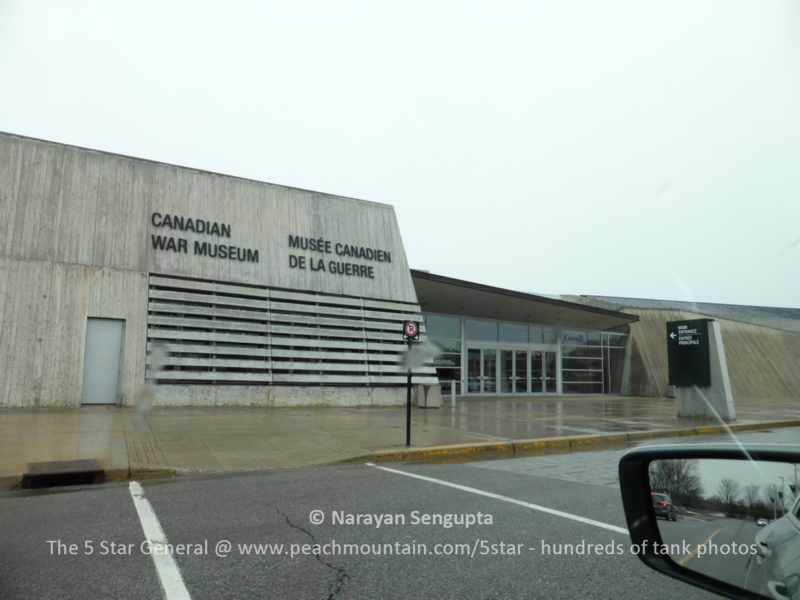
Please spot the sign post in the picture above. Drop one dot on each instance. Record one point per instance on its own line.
(410, 334)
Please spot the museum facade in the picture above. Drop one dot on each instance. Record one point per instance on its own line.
(126, 280)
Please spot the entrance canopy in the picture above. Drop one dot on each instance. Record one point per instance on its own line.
(439, 294)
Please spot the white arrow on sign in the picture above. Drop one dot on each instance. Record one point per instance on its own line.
(672, 335)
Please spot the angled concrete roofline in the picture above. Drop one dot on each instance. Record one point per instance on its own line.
(779, 318)
(195, 169)
(621, 318)
(638, 302)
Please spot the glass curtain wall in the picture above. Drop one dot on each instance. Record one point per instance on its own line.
(613, 361)
(581, 362)
(592, 362)
(445, 332)
(512, 358)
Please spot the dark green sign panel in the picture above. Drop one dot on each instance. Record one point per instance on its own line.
(687, 353)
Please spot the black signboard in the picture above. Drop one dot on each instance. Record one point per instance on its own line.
(687, 353)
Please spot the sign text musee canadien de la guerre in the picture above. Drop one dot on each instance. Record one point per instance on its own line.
(337, 267)
(346, 251)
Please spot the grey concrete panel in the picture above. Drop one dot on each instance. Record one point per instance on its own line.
(44, 308)
(80, 206)
(76, 242)
(276, 396)
(762, 361)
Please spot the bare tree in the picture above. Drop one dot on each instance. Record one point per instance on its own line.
(678, 478)
(728, 491)
(751, 494)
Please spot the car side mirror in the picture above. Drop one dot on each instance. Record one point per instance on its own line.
(725, 518)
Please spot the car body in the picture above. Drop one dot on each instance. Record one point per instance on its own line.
(762, 522)
(775, 570)
(662, 506)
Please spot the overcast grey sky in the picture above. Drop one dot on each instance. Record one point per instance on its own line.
(573, 146)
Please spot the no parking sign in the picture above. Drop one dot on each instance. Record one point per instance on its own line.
(410, 334)
(410, 330)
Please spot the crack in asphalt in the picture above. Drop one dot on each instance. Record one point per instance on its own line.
(341, 574)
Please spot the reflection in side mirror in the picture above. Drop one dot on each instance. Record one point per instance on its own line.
(732, 520)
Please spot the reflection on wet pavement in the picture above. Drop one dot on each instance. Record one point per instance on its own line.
(204, 439)
(600, 467)
(528, 417)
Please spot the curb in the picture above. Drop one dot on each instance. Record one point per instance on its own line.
(139, 473)
(476, 451)
(573, 443)
(13, 482)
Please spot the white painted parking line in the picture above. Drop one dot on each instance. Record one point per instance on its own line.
(537, 507)
(168, 572)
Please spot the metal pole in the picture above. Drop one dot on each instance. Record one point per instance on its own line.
(408, 404)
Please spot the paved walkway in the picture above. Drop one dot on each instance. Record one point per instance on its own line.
(235, 439)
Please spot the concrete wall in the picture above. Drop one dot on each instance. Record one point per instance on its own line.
(76, 242)
(274, 396)
(66, 204)
(43, 311)
(762, 362)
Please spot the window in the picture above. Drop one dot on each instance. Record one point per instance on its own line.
(613, 361)
(483, 331)
(514, 332)
(572, 337)
(592, 362)
(581, 362)
(543, 335)
(549, 335)
(445, 332)
(443, 326)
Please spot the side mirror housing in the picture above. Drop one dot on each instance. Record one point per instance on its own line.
(720, 517)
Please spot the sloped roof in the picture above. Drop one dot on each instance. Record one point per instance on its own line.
(441, 294)
(783, 318)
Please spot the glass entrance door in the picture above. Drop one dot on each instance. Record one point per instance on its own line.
(550, 372)
(507, 371)
(520, 372)
(510, 371)
(482, 370)
(489, 370)
(537, 372)
(474, 370)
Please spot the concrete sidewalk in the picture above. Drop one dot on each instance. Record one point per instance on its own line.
(187, 440)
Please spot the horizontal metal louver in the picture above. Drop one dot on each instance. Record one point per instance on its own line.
(206, 332)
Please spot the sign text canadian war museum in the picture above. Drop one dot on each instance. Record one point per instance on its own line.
(231, 252)
(202, 226)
